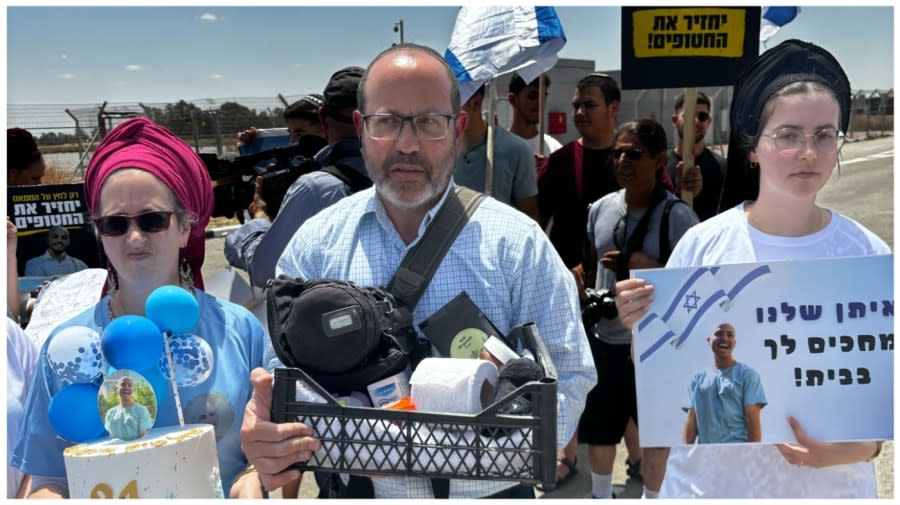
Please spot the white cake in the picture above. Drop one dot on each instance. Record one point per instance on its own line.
(170, 462)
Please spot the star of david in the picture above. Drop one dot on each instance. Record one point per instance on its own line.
(690, 301)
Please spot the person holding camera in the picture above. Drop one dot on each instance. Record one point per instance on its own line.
(633, 228)
(256, 246)
(411, 127)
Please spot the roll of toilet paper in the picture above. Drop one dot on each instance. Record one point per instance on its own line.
(453, 385)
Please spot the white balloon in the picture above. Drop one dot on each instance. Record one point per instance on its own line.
(75, 355)
(193, 359)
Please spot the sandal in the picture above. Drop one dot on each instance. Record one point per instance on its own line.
(573, 471)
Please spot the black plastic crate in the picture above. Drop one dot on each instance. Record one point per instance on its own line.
(487, 445)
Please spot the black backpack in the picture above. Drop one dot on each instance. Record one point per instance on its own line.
(351, 178)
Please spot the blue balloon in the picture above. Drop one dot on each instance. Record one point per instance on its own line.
(173, 309)
(132, 342)
(73, 413)
(75, 355)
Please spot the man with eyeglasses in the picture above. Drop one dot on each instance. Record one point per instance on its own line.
(514, 180)
(256, 246)
(411, 127)
(712, 165)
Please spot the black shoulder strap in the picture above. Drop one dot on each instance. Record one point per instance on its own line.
(665, 245)
(354, 180)
(421, 262)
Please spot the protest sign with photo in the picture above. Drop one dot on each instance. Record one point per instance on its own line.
(818, 334)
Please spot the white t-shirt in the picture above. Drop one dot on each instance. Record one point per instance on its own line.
(21, 360)
(760, 471)
(550, 144)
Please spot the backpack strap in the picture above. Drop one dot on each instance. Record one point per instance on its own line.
(351, 178)
(422, 261)
(665, 246)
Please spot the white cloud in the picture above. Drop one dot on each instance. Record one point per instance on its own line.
(217, 76)
(209, 16)
(64, 56)
(133, 68)
(66, 76)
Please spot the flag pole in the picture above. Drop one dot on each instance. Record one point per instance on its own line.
(541, 119)
(489, 164)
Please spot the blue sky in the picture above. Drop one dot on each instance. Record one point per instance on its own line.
(80, 55)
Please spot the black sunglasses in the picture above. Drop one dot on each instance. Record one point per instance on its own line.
(148, 222)
(631, 154)
(703, 117)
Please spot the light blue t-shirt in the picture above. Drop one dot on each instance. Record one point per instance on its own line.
(515, 175)
(719, 397)
(239, 345)
(127, 423)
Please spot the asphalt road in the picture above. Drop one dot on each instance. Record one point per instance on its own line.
(863, 189)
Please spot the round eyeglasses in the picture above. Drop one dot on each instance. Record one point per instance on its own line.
(792, 140)
(425, 126)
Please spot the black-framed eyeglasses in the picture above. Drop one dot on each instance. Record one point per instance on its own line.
(631, 154)
(792, 140)
(703, 117)
(425, 126)
(148, 222)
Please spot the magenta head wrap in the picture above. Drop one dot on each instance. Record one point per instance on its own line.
(142, 144)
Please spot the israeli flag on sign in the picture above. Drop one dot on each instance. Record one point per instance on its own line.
(492, 41)
(706, 289)
(773, 18)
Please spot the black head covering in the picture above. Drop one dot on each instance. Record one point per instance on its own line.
(788, 62)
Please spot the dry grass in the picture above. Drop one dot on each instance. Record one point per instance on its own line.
(54, 176)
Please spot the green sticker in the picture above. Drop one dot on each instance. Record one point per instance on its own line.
(468, 343)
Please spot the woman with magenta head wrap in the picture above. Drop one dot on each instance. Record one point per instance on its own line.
(150, 198)
(790, 109)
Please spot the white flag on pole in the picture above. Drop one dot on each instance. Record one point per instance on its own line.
(492, 41)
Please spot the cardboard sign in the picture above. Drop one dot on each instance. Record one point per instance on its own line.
(674, 47)
(34, 209)
(818, 333)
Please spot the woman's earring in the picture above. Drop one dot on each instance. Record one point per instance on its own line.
(185, 275)
(754, 165)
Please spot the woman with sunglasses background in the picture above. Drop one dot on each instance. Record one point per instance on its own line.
(150, 198)
(635, 227)
(789, 111)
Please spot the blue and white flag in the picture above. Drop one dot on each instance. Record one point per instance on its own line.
(773, 18)
(492, 41)
(705, 289)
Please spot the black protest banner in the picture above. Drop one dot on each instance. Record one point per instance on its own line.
(35, 209)
(675, 47)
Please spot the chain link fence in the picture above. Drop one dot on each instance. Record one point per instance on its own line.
(68, 133)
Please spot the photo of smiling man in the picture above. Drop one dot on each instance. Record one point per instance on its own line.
(725, 401)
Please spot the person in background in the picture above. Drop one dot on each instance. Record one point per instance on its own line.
(300, 117)
(256, 246)
(790, 109)
(712, 165)
(21, 361)
(54, 261)
(150, 198)
(514, 179)
(526, 101)
(24, 162)
(411, 127)
(635, 227)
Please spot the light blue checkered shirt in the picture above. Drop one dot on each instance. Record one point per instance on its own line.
(502, 259)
